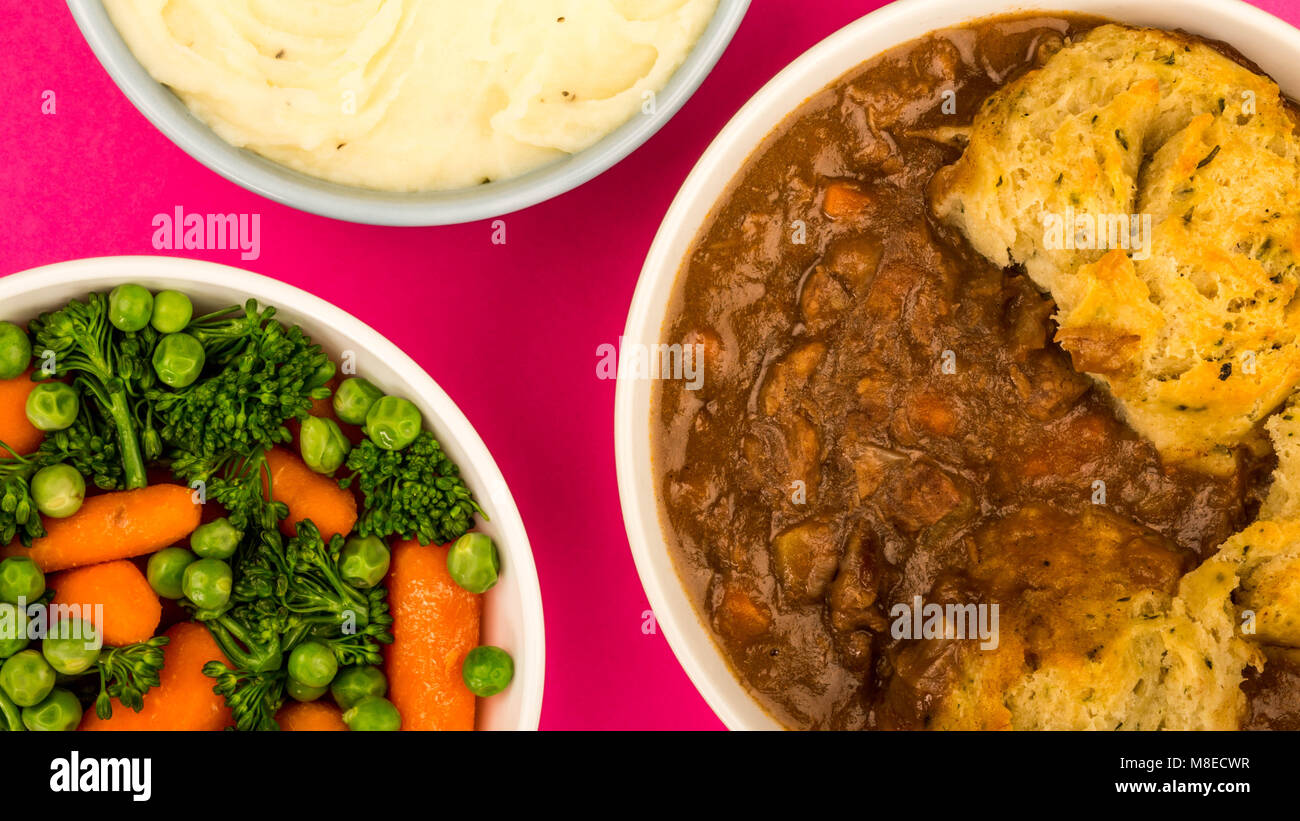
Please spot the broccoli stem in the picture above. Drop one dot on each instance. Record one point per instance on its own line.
(128, 441)
(242, 649)
(96, 366)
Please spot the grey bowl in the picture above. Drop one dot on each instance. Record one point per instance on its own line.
(261, 176)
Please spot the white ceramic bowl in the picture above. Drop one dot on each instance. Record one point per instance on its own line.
(262, 176)
(1261, 37)
(512, 613)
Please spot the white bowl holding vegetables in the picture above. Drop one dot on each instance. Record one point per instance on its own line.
(187, 458)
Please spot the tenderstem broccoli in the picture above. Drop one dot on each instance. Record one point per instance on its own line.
(106, 365)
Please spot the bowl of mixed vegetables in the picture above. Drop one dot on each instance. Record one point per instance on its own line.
(226, 503)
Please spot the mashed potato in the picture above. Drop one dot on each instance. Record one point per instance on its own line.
(412, 95)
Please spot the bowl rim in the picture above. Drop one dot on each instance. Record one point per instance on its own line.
(449, 422)
(688, 634)
(297, 190)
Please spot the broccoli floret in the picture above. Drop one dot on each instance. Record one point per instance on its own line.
(266, 374)
(413, 493)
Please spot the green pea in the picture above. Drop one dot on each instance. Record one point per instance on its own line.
(474, 563)
(178, 360)
(373, 714)
(15, 350)
(130, 307)
(58, 491)
(52, 406)
(323, 374)
(218, 539)
(58, 712)
(207, 583)
(313, 664)
(26, 678)
(301, 692)
(72, 647)
(353, 684)
(166, 571)
(324, 447)
(353, 399)
(20, 578)
(363, 563)
(11, 717)
(393, 422)
(13, 630)
(172, 312)
(487, 670)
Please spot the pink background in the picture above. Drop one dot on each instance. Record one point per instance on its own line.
(510, 332)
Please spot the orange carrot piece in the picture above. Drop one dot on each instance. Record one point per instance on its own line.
(131, 609)
(15, 430)
(115, 526)
(184, 699)
(310, 495)
(324, 408)
(435, 624)
(844, 200)
(311, 715)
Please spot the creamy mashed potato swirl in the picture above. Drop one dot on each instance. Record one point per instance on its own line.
(411, 95)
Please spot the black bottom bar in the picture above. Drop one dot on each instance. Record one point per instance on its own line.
(735, 770)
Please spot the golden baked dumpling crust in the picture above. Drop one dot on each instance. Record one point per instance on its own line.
(1152, 186)
(1267, 559)
(1098, 631)
(1283, 499)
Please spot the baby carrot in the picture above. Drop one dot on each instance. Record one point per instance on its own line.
(310, 495)
(130, 608)
(435, 624)
(115, 526)
(311, 715)
(184, 699)
(15, 430)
